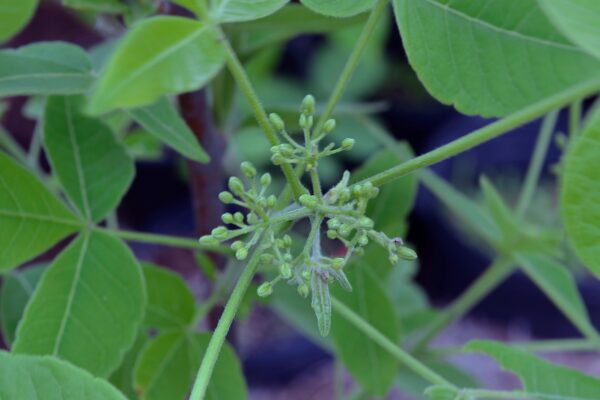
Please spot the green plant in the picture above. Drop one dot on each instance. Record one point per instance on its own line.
(92, 309)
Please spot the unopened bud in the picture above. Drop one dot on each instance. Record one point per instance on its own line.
(276, 121)
(220, 232)
(285, 270)
(265, 179)
(266, 259)
(238, 244)
(303, 290)
(337, 263)
(308, 201)
(264, 290)
(208, 240)
(227, 218)
(225, 197)
(308, 105)
(248, 169)
(344, 230)
(407, 253)
(347, 143)
(271, 201)
(236, 185)
(329, 126)
(241, 254)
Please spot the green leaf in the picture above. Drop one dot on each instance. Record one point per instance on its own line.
(579, 20)
(171, 303)
(48, 378)
(414, 385)
(373, 367)
(489, 57)
(321, 302)
(88, 306)
(503, 216)
(192, 5)
(162, 120)
(32, 219)
(103, 6)
(243, 10)
(93, 168)
(339, 8)
(44, 68)
(14, 15)
(558, 284)
(123, 378)
(158, 56)
(167, 367)
(580, 194)
(16, 291)
(545, 379)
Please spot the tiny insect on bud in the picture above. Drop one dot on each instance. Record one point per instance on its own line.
(236, 185)
(276, 121)
(308, 105)
(225, 197)
(329, 126)
(248, 169)
(265, 179)
(271, 201)
(285, 270)
(347, 144)
(238, 244)
(241, 254)
(227, 218)
(308, 201)
(208, 240)
(303, 290)
(406, 253)
(264, 290)
(337, 263)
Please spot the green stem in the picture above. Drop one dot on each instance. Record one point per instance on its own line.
(35, 148)
(542, 346)
(488, 281)
(241, 77)
(166, 240)
(488, 132)
(218, 337)
(351, 64)
(510, 395)
(537, 161)
(7, 141)
(574, 118)
(377, 337)
(316, 183)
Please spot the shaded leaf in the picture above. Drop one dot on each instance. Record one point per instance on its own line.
(163, 121)
(167, 367)
(16, 291)
(93, 168)
(579, 20)
(489, 57)
(88, 306)
(171, 303)
(339, 8)
(580, 194)
(321, 302)
(44, 68)
(35, 377)
(123, 378)
(243, 10)
(158, 56)
(411, 383)
(14, 15)
(32, 219)
(104, 6)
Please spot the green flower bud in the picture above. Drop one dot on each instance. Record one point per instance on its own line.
(357, 190)
(406, 253)
(331, 234)
(305, 122)
(286, 150)
(238, 244)
(248, 169)
(303, 290)
(337, 263)
(329, 126)
(225, 197)
(333, 223)
(264, 290)
(287, 240)
(306, 274)
(285, 270)
(208, 240)
(279, 243)
(265, 179)
(287, 257)
(277, 159)
(393, 259)
(276, 121)
(308, 105)
(308, 201)
(345, 195)
(252, 219)
(238, 217)
(236, 185)
(220, 232)
(266, 259)
(227, 218)
(241, 254)
(363, 240)
(271, 201)
(366, 222)
(347, 144)
(344, 230)
(359, 251)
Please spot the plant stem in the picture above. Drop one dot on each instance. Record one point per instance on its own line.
(239, 74)
(7, 141)
(574, 118)
(218, 337)
(351, 64)
(488, 132)
(510, 395)
(542, 346)
(537, 161)
(488, 281)
(35, 148)
(377, 337)
(166, 240)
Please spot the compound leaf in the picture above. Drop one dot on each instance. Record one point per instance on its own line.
(88, 306)
(158, 56)
(93, 168)
(339, 8)
(489, 57)
(44, 68)
(243, 10)
(105, 6)
(32, 219)
(14, 15)
(35, 377)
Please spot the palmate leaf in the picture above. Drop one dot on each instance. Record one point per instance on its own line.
(579, 20)
(167, 367)
(123, 377)
(580, 194)
(44, 68)
(14, 15)
(48, 378)
(17, 288)
(93, 168)
(339, 8)
(158, 56)
(243, 10)
(88, 306)
(489, 57)
(32, 219)
(543, 379)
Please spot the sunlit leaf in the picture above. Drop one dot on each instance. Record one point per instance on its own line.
(339, 8)
(14, 15)
(243, 10)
